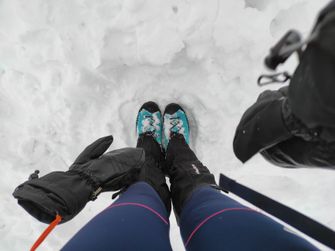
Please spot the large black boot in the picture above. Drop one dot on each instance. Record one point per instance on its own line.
(152, 172)
(66, 193)
(186, 172)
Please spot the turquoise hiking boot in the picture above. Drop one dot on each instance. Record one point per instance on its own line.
(175, 123)
(149, 121)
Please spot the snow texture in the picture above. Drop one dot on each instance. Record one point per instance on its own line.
(72, 71)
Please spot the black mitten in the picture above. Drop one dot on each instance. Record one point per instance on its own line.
(66, 193)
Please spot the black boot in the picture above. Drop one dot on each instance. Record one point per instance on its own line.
(152, 172)
(148, 126)
(185, 171)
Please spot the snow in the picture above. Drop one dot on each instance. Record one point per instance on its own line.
(75, 70)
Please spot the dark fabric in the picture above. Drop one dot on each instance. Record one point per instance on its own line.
(152, 170)
(330, 7)
(295, 126)
(312, 89)
(185, 171)
(288, 215)
(296, 152)
(285, 141)
(261, 126)
(66, 193)
(306, 147)
(211, 220)
(62, 193)
(131, 223)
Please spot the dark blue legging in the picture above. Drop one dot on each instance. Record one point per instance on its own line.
(209, 221)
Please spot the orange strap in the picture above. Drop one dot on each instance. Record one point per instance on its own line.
(46, 232)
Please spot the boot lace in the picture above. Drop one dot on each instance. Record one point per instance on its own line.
(175, 125)
(149, 127)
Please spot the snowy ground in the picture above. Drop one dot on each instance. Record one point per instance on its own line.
(72, 71)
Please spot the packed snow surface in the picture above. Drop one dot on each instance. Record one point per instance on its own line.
(72, 71)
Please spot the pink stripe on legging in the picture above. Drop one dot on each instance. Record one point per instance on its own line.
(140, 205)
(213, 215)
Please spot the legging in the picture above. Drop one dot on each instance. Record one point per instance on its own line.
(210, 220)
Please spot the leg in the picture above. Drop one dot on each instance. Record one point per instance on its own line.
(186, 172)
(211, 220)
(148, 125)
(184, 169)
(138, 220)
(208, 219)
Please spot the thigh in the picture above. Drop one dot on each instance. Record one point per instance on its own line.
(137, 221)
(213, 221)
